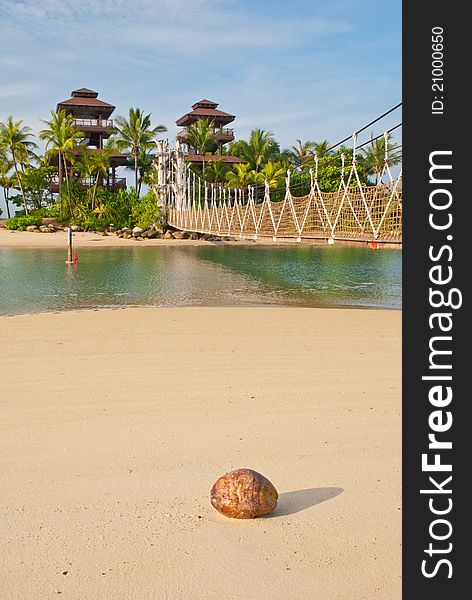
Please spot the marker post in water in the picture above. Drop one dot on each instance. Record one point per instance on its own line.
(70, 256)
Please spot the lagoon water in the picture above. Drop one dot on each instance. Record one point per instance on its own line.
(36, 280)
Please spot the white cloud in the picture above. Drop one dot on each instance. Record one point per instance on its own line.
(9, 90)
(295, 68)
(174, 27)
(57, 10)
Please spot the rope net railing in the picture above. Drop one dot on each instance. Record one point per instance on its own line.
(355, 211)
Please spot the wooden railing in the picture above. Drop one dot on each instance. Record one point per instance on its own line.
(99, 123)
(226, 131)
(117, 183)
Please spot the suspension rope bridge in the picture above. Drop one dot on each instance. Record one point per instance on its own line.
(354, 212)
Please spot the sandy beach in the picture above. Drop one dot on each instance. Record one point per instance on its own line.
(114, 424)
(92, 239)
(82, 239)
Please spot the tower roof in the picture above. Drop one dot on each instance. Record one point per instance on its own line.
(84, 101)
(205, 109)
(84, 93)
(205, 103)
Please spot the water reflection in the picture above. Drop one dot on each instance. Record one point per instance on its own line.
(34, 280)
(318, 274)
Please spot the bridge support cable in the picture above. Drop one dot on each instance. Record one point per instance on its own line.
(346, 139)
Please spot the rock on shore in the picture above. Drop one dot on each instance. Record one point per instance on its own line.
(152, 232)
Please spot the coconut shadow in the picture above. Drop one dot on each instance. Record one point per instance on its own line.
(294, 502)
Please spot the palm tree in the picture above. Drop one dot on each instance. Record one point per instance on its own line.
(242, 176)
(8, 182)
(374, 155)
(62, 137)
(101, 165)
(86, 165)
(216, 171)
(5, 180)
(95, 165)
(300, 154)
(201, 136)
(15, 139)
(321, 149)
(260, 148)
(145, 160)
(136, 134)
(274, 173)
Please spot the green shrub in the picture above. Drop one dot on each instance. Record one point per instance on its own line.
(146, 211)
(21, 223)
(119, 207)
(62, 219)
(91, 223)
(52, 212)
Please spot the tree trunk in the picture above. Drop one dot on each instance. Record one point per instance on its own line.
(69, 202)
(59, 179)
(19, 181)
(59, 171)
(136, 169)
(94, 191)
(7, 202)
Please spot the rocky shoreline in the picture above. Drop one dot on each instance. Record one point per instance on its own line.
(152, 232)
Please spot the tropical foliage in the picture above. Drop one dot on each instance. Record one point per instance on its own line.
(82, 173)
(374, 155)
(15, 139)
(216, 171)
(300, 155)
(22, 222)
(258, 150)
(7, 181)
(201, 137)
(137, 135)
(146, 211)
(94, 166)
(62, 137)
(262, 160)
(36, 185)
(241, 176)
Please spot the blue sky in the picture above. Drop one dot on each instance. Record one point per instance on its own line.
(302, 69)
